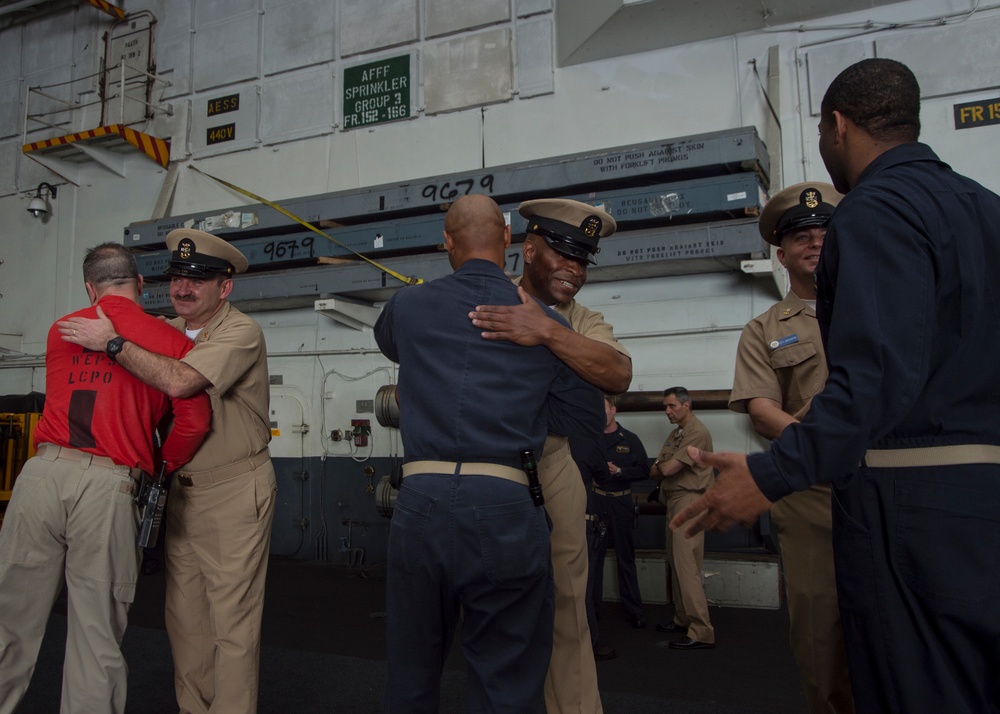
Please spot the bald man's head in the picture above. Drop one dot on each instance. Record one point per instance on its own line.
(474, 227)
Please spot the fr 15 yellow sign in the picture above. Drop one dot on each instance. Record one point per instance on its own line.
(981, 113)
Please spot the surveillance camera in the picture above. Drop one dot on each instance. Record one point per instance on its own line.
(37, 207)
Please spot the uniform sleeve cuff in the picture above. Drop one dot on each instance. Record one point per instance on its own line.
(767, 477)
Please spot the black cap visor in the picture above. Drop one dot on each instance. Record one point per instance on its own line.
(187, 270)
(582, 248)
(802, 217)
(198, 265)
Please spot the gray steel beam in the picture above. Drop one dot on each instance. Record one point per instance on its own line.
(646, 253)
(730, 151)
(734, 196)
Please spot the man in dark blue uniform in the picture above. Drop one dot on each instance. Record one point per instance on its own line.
(465, 533)
(625, 462)
(589, 458)
(910, 312)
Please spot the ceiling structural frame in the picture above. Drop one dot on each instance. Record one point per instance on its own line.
(13, 12)
(588, 30)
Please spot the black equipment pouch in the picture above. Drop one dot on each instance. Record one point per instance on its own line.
(152, 501)
(531, 471)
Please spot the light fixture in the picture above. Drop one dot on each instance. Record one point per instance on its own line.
(38, 206)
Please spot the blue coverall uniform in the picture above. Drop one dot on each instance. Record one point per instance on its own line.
(472, 542)
(909, 309)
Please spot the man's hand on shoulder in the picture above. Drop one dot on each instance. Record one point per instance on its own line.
(90, 333)
(526, 324)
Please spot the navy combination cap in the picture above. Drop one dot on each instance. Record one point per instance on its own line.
(799, 206)
(568, 227)
(196, 254)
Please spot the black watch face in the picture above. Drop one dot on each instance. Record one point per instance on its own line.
(115, 346)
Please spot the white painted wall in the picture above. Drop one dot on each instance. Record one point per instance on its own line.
(680, 330)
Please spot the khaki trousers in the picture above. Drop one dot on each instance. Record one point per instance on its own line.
(217, 542)
(571, 682)
(805, 533)
(686, 558)
(76, 518)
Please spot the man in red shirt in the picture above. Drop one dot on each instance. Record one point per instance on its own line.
(72, 513)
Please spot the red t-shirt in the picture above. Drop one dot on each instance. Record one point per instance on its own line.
(95, 405)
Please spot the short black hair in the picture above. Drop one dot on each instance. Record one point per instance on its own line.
(682, 394)
(881, 96)
(109, 264)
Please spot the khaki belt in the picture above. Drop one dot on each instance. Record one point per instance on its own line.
(50, 452)
(201, 478)
(465, 468)
(601, 492)
(933, 456)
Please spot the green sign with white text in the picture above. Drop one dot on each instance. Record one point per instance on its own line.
(377, 92)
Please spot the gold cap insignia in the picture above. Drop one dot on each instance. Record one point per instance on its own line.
(185, 248)
(591, 226)
(811, 198)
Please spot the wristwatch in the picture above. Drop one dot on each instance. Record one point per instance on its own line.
(114, 347)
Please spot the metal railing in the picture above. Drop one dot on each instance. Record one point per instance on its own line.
(134, 76)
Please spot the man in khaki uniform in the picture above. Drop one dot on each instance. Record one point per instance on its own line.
(682, 482)
(222, 503)
(780, 366)
(561, 241)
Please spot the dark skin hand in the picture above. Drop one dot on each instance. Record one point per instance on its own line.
(527, 324)
(734, 498)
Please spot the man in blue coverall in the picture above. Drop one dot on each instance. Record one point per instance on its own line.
(625, 462)
(465, 534)
(909, 313)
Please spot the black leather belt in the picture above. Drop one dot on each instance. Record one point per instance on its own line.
(602, 492)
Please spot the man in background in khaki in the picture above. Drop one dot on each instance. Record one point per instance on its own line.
(562, 237)
(780, 367)
(222, 504)
(682, 482)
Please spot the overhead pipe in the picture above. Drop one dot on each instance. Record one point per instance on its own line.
(653, 401)
(387, 409)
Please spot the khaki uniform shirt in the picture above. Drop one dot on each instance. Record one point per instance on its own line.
(230, 353)
(780, 357)
(590, 324)
(692, 477)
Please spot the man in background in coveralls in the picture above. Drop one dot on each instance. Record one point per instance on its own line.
(560, 243)
(780, 367)
(222, 503)
(909, 311)
(465, 533)
(72, 513)
(589, 458)
(625, 461)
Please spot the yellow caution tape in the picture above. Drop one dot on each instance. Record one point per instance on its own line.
(402, 278)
